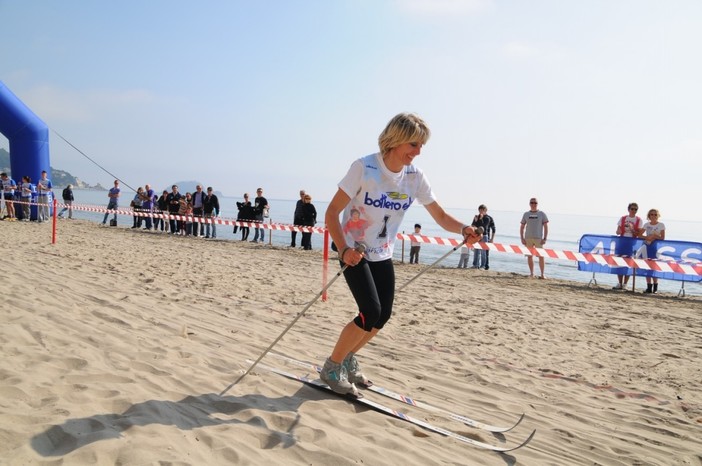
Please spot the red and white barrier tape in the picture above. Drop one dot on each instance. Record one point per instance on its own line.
(609, 260)
(685, 268)
(186, 218)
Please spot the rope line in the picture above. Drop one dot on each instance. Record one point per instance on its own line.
(93, 161)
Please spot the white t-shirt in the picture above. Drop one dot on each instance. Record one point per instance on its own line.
(630, 224)
(8, 185)
(44, 186)
(651, 229)
(379, 200)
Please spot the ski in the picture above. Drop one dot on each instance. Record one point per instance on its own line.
(386, 410)
(413, 402)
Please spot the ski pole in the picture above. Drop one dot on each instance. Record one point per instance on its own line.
(360, 248)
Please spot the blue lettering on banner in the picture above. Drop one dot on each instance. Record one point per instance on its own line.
(385, 202)
(664, 250)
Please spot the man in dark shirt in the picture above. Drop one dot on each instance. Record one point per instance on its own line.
(173, 201)
(67, 196)
(481, 256)
(198, 200)
(147, 206)
(297, 216)
(260, 207)
(211, 209)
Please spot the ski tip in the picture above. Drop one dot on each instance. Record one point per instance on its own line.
(365, 385)
(519, 421)
(500, 430)
(524, 443)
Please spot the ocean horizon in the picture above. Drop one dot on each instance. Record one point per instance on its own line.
(565, 231)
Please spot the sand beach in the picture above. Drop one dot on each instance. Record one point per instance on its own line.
(116, 344)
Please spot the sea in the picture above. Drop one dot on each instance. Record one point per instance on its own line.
(565, 231)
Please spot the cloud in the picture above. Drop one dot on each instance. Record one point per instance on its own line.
(686, 151)
(59, 104)
(525, 51)
(520, 50)
(444, 7)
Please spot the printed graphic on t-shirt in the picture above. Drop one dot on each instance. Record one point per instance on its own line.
(379, 200)
(356, 226)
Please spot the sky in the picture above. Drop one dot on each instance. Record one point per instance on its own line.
(586, 105)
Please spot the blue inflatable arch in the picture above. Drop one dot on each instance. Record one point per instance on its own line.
(28, 136)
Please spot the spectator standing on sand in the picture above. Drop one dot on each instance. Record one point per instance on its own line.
(309, 219)
(136, 207)
(297, 217)
(67, 196)
(113, 204)
(147, 206)
(246, 214)
(8, 194)
(482, 219)
(198, 202)
(43, 194)
(260, 207)
(211, 210)
(415, 245)
(653, 230)
(26, 195)
(173, 200)
(162, 206)
(534, 232)
(628, 228)
(465, 257)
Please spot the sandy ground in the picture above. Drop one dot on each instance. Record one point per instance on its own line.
(116, 344)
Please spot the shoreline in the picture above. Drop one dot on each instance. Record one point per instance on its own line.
(506, 262)
(117, 352)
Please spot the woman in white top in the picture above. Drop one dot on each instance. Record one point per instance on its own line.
(653, 230)
(372, 199)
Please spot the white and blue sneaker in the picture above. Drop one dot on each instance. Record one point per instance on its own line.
(353, 371)
(335, 376)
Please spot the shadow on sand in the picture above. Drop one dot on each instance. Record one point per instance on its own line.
(189, 413)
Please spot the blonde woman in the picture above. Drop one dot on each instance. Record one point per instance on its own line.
(380, 187)
(652, 230)
(308, 217)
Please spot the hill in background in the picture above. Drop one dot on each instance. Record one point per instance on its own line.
(58, 177)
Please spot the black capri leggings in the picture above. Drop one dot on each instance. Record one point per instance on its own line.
(372, 285)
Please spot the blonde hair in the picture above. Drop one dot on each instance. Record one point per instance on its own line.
(653, 211)
(403, 128)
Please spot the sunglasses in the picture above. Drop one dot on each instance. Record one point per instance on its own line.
(633, 208)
